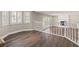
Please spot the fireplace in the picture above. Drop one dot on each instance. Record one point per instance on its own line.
(63, 23)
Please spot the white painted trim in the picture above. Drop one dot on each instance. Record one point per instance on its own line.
(36, 30)
(64, 37)
(15, 32)
(2, 41)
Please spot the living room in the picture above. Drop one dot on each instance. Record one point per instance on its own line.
(63, 24)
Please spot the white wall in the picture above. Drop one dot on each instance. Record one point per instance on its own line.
(74, 20)
(37, 21)
(59, 18)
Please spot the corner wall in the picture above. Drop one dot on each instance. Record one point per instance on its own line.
(37, 21)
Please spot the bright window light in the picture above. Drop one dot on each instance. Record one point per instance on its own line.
(5, 18)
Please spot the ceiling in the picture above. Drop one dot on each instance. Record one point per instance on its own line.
(59, 12)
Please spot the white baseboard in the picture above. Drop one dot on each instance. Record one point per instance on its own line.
(15, 32)
(36, 30)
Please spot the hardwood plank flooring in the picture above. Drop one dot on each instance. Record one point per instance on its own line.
(36, 39)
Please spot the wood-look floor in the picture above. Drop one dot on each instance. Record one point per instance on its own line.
(36, 39)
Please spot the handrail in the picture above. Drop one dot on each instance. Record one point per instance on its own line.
(68, 32)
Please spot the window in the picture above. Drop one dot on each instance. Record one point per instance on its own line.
(46, 21)
(26, 17)
(16, 17)
(13, 19)
(19, 17)
(5, 18)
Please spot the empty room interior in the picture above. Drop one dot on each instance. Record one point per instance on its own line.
(39, 28)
